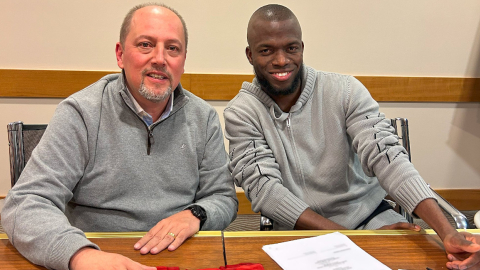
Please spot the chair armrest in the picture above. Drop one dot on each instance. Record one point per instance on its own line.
(266, 224)
(461, 221)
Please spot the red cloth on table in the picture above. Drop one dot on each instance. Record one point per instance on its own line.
(240, 266)
(243, 266)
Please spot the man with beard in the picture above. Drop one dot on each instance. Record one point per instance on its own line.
(312, 151)
(131, 152)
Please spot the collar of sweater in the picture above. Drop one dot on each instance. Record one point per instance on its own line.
(179, 97)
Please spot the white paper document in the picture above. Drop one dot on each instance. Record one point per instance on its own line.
(333, 251)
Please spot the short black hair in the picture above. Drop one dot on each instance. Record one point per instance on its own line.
(274, 12)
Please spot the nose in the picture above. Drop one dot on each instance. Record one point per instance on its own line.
(158, 56)
(280, 58)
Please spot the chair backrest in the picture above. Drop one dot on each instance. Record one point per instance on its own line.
(22, 139)
(401, 130)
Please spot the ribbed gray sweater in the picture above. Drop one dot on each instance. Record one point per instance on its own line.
(91, 172)
(326, 153)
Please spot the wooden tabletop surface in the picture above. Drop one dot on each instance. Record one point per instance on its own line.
(205, 250)
(396, 249)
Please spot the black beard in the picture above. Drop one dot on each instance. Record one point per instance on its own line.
(272, 91)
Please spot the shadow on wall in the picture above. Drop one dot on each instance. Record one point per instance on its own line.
(466, 140)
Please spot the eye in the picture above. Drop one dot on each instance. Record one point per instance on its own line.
(173, 48)
(293, 48)
(145, 46)
(265, 51)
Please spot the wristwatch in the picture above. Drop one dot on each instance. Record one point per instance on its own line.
(199, 213)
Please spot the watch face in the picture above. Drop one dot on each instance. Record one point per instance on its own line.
(199, 212)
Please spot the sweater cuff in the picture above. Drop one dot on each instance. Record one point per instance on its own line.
(61, 253)
(289, 210)
(412, 192)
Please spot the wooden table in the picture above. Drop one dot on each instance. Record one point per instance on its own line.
(204, 250)
(396, 249)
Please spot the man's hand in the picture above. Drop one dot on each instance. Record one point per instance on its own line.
(170, 232)
(401, 226)
(463, 250)
(91, 259)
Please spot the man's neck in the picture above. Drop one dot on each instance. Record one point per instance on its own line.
(285, 102)
(154, 109)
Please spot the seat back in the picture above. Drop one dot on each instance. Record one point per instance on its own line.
(22, 139)
(401, 130)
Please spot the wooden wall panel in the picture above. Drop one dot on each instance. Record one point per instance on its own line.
(423, 89)
(45, 83)
(462, 199)
(62, 83)
(217, 86)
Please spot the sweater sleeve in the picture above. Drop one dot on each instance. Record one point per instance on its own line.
(33, 214)
(379, 150)
(216, 191)
(254, 167)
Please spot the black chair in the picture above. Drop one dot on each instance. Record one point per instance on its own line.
(22, 139)
(400, 125)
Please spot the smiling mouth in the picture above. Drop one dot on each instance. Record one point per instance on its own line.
(282, 74)
(157, 76)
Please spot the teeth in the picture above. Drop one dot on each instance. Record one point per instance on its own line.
(156, 76)
(283, 74)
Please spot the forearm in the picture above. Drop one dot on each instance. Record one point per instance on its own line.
(40, 231)
(430, 212)
(310, 220)
(216, 191)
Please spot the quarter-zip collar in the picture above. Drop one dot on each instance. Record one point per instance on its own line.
(147, 118)
(179, 99)
(178, 96)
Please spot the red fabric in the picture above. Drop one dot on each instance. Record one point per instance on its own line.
(240, 266)
(243, 266)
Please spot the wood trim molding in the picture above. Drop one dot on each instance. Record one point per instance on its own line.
(244, 205)
(62, 83)
(462, 199)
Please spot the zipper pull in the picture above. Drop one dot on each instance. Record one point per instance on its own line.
(150, 141)
(288, 121)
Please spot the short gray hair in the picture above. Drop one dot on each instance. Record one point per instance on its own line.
(128, 20)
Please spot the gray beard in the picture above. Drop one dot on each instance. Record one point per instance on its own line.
(151, 96)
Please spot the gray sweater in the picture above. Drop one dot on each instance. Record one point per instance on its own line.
(326, 153)
(91, 172)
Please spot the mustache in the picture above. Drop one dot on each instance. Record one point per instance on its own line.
(158, 69)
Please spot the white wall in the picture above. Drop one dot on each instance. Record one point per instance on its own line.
(371, 37)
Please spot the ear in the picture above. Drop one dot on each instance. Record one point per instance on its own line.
(303, 46)
(248, 52)
(119, 54)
